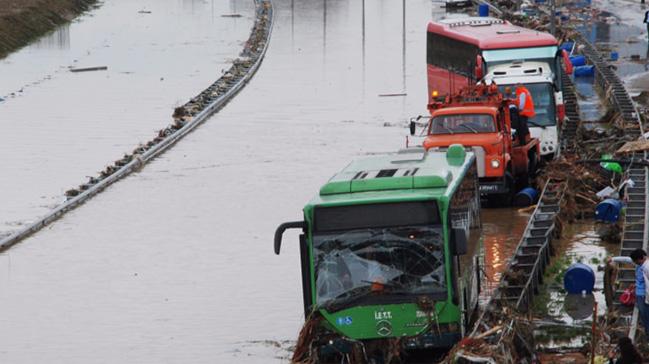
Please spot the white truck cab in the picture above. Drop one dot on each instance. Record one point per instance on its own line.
(538, 78)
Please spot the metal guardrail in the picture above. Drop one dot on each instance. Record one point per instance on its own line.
(524, 273)
(612, 85)
(635, 230)
(263, 8)
(571, 124)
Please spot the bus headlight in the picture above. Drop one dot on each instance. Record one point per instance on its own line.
(495, 163)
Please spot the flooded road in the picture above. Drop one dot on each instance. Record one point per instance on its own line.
(174, 264)
(502, 230)
(59, 127)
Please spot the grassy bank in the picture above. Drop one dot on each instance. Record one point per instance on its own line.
(23, 21)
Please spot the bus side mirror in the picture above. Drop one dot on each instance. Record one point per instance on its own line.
(458, 237)
(283, 227)
(413, 127)
(566, 61)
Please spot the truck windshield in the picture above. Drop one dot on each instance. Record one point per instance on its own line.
(462, 123)
(373, 262)
(544, 105)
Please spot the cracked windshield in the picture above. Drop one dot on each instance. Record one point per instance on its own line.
(401, 260)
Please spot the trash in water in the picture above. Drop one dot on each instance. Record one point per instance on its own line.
(87, 69)
(579, 278)
(391, 95)
(607, 192)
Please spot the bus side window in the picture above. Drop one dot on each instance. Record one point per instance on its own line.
(451, 54)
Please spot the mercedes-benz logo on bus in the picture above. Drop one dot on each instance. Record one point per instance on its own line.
(384, 328)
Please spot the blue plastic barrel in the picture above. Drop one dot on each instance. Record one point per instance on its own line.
(483, 10)
(614, 56)
(579, 278)
(567, 46)
(526, 197)
(578, 60)
(584, 71)
(608, 210)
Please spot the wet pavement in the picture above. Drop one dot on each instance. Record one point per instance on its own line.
(59, 127)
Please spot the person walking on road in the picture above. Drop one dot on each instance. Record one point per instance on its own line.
(639, 258)
(646, 19)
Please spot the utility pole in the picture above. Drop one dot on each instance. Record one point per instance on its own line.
(553, 15)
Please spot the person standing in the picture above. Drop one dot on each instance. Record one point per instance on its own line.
(526, 111)
(639, 258)
(646, 18)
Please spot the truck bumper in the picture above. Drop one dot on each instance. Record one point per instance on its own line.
(433, 340)
(493, 186)
(429, 340)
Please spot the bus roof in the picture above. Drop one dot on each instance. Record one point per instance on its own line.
(491, 33)
(405, 176)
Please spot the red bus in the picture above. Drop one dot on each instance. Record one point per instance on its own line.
(462, 50)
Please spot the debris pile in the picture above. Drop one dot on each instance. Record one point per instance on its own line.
(207, 101)
(508, 340)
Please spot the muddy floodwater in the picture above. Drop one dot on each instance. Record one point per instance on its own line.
(501, 230)
(174, 264)
(59, 127)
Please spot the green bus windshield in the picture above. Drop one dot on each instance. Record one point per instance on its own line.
(401, 261)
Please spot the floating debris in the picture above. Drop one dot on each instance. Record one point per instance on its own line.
(393, 95)
(89, 69)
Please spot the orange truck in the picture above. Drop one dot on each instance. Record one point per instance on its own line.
(480, 118)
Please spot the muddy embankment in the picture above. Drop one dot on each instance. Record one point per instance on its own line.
(22, 21)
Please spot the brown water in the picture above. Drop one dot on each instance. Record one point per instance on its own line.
(59, 127)
(175, 264)
(502, 231)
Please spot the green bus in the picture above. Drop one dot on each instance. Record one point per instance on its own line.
(389, 251)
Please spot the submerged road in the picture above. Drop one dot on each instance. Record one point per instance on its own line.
(174, 264)
(59, 127)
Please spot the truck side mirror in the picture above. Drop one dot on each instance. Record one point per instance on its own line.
(283, 227)
(459, 240)
(413, 127)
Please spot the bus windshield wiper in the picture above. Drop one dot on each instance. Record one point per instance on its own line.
(470, 128)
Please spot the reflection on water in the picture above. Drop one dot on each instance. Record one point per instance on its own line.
(58, 39)
(501, 230)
